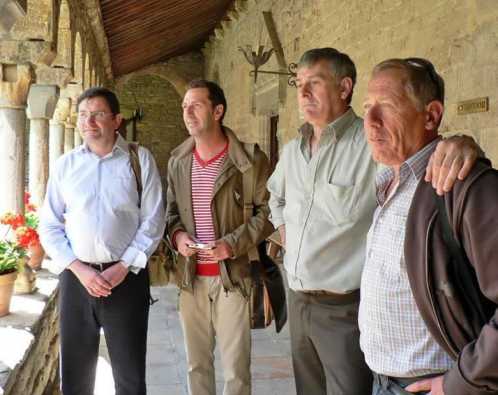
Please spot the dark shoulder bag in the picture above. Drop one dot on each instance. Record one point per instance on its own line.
(162, 262)
(267, 299)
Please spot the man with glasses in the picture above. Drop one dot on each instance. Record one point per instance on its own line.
(322, 202)
(417, 329)
(100, 232)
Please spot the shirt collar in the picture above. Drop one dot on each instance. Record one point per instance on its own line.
(414, 166)
(335, 129)
(120, 144)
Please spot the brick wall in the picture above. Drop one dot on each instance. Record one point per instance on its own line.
(460, 37)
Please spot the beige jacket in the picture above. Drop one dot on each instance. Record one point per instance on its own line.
(226, 207)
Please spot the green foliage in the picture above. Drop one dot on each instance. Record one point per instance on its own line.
(10, 254)
(32, 220)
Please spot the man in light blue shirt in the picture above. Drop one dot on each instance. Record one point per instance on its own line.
(100, 232)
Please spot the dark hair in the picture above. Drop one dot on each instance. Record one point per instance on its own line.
(215, 93)
(341, 64)
(104, 93)
(422, 83)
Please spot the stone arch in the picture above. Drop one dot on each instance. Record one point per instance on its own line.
(178, 80)
(92, 76)
(64, 52)
(78, 60)
(86, 71)
(162, 128)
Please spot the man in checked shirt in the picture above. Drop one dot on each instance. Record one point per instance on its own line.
(418, 331)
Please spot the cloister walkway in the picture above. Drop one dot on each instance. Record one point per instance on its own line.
(166, 365)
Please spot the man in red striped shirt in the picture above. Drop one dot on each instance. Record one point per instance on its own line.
(206, 225)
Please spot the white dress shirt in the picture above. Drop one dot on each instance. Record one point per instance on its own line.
(91, 209)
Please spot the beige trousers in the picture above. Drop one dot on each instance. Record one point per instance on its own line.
(209, 315)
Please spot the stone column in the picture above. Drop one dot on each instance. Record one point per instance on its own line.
(77, 137)
(57, 129)
(68, 135)
(14, 86)
(74, 120)
(41, 106)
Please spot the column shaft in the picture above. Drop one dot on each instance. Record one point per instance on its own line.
(56, 143)
(68, 138)
(12, 150)
(77, 137)
(38, 159)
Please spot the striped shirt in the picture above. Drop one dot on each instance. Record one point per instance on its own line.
(394, 337)
(204, 175)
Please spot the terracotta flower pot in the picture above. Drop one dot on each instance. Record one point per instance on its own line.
(36, 255)
(26, 279)
(6, 290)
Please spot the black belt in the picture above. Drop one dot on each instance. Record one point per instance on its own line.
(384, 380)
(100, 266)
(349, 297)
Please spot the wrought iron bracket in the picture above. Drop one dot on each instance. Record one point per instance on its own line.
(291, 81)
(260, 58)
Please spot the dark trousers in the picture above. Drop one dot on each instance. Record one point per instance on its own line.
(325, 346)
(124, 317)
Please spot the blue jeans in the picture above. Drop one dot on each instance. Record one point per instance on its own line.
(384, 386)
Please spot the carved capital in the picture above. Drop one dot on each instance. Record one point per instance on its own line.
(42, 100)
(15, 81)
(62, 110)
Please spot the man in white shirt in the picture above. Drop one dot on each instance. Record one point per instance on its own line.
(99, 232)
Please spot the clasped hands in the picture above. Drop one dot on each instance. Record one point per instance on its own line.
(99, 284)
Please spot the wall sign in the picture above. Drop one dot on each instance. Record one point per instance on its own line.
(475, 105)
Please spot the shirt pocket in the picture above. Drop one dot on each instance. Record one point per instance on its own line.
(338, 201)
(123, 193)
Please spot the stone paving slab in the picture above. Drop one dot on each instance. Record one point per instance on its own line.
(166, 363)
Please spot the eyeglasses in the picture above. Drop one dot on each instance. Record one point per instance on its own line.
(97, 115)
(429, 69)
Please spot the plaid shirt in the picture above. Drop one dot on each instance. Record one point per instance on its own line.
(394, 337)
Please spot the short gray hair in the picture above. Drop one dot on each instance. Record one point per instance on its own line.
(341, 64)
(422, 82)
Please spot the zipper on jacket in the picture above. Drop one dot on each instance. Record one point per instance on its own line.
(433, 307)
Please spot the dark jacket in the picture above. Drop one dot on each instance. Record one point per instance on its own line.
(472, 209)
(226, 207)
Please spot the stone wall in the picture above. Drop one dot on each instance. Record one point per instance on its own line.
(460, 37)
(162, 127)
(36, 340)
(159, 90)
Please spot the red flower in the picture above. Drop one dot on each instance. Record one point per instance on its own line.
(27, 196)
(30, 207)
(27, 236)
(14, 220)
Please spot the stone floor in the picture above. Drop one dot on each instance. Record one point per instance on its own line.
(166, 366)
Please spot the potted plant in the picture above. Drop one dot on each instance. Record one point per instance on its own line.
(36, 253)
(11, 253)
(15, 244)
